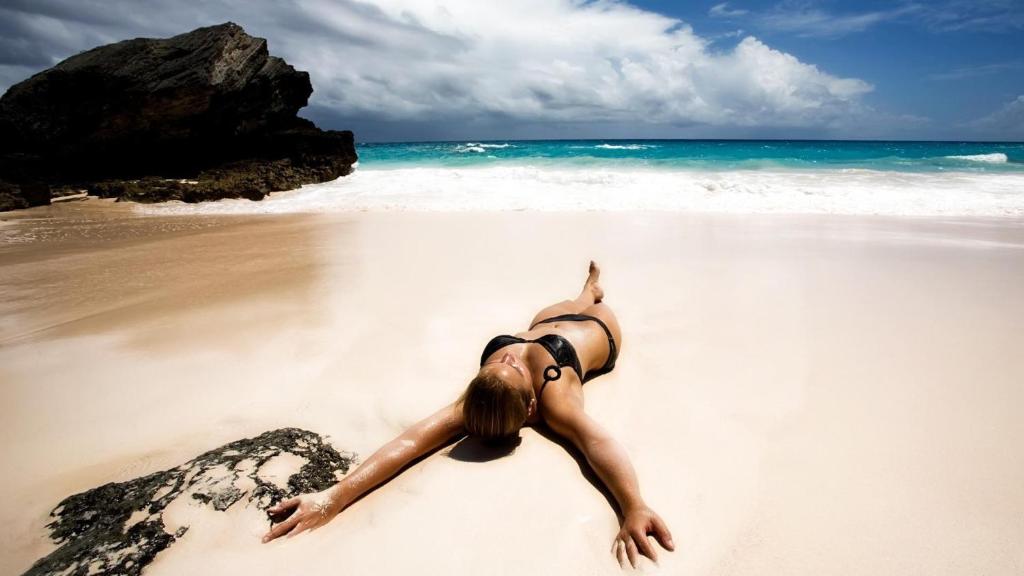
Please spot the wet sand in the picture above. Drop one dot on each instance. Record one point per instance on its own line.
(799, 394)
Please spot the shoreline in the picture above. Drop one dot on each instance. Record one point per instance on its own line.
(609, 188)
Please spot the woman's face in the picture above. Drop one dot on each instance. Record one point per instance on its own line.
(510, 369)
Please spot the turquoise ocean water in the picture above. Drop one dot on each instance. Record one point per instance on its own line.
(945, 179)
(704, 154)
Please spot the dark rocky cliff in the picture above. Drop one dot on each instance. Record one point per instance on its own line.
(130, 118)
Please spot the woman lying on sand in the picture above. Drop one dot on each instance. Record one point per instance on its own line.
(533, 377)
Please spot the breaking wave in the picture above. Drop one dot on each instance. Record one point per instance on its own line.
(625, 146)
(479, 147)
(994, 158)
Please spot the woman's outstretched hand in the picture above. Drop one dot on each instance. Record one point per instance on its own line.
(632, 538)
(301, 513)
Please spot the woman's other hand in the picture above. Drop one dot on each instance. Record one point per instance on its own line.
(632, 540)
(302, 513)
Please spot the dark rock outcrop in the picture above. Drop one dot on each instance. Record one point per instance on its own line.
(210, 105)
(119, 528)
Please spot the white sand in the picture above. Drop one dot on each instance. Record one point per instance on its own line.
(800, 395)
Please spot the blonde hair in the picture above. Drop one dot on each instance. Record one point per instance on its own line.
(493, 409)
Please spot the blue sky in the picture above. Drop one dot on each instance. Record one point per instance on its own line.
(473, 69)
(951, 62)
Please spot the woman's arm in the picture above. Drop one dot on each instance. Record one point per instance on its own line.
(563, 412)
(315, 510)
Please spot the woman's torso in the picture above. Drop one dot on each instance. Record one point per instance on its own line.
(588, 340)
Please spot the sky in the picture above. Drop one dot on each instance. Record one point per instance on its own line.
(410, 70)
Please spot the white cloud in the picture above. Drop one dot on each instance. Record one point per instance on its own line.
(526, 61)
(813, 18)
(723, 11)
(806, 19)
(569, 61)
(1006, 123)
(978, 70)
(974, 16)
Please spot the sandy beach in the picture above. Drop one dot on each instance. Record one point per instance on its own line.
(799, 394)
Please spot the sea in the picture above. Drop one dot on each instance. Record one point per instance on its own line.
(735, 176)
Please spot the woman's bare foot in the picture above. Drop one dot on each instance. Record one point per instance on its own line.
(592, 283)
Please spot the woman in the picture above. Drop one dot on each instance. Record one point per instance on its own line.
(534, 377)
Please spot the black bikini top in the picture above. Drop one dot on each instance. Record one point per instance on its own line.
(558, 347)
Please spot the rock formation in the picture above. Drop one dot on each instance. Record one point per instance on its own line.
(131, 119)
(119, 528)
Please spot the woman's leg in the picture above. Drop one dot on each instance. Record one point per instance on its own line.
(590, 295)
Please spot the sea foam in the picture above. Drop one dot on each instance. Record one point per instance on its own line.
(625, 146)
(505, 187)
(479, 147)
(994, 158)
